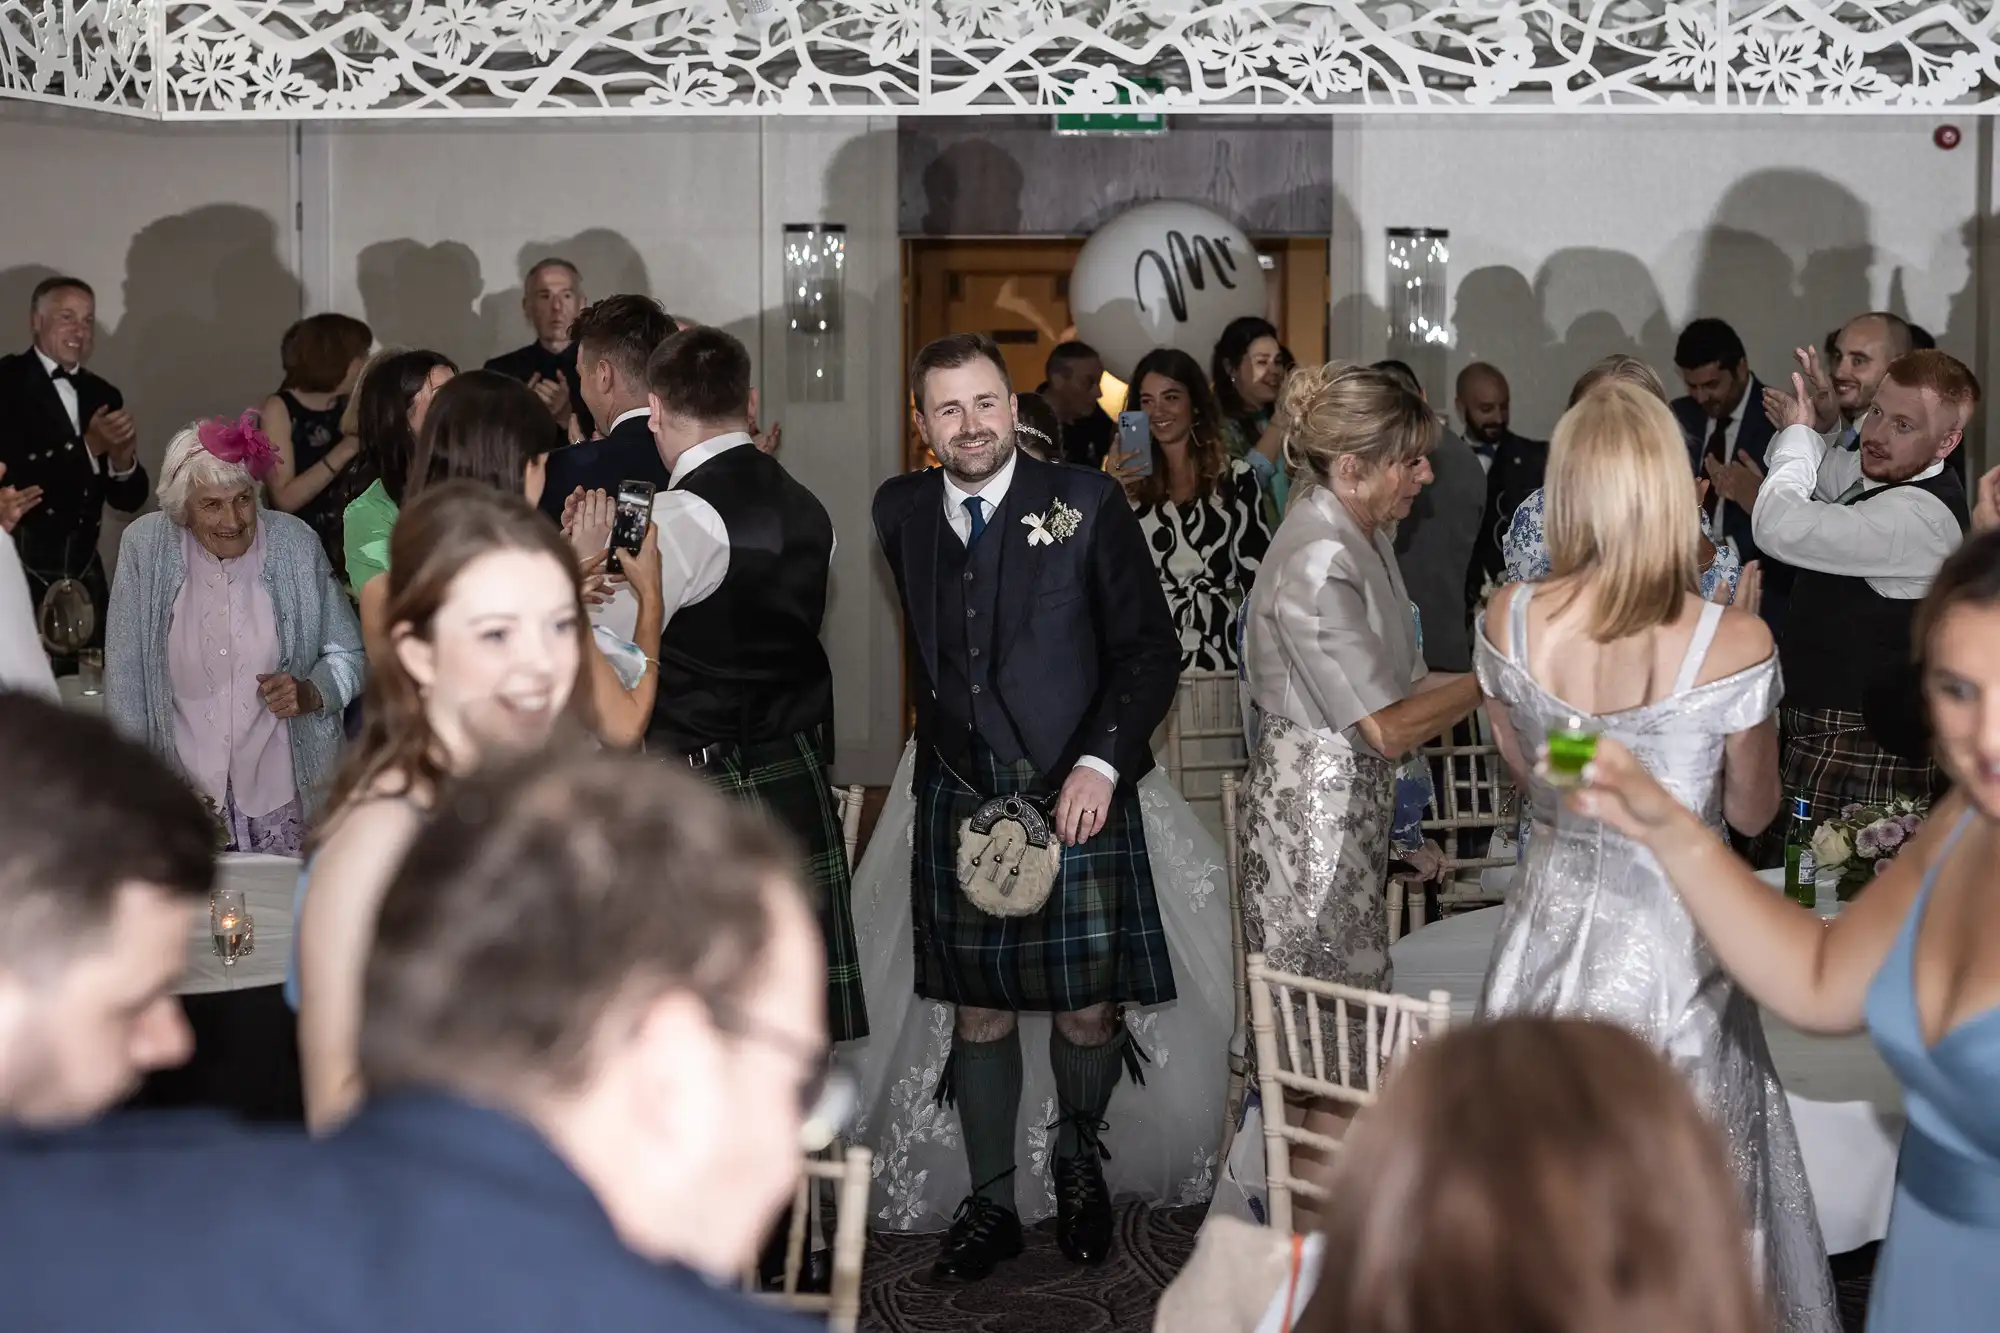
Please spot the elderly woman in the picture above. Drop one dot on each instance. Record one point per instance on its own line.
(230, 647)
(1338, 683)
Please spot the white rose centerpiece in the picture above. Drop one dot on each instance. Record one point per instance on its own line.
(1863, 839)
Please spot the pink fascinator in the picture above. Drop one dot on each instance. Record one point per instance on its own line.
(241, 441)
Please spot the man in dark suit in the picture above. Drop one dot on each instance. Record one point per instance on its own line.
(1075, 375)
(613, 340)
(107, 854)
(65, 431)
(1044, 658)
(595, 1052)
(1727, 430)
(1514, 470)
(1434, 544)
(551, 296)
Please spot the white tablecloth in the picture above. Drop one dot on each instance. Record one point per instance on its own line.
(1845, 1102)
(267, 883)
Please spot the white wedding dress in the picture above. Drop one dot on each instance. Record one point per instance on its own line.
(1163, 1134)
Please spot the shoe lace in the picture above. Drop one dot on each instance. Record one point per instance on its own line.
(1079, 1185)
(978, 1217)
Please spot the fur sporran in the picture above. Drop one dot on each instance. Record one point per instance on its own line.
(1008, 857)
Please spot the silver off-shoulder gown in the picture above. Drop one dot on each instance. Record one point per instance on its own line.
(1594, 929)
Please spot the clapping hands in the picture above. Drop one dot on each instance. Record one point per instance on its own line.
(1986, 509)
(1811, 402)
(554, 394)
(113, 434)
(16, 501)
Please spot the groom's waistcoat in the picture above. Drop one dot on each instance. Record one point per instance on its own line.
(967, 702)
(744, 665)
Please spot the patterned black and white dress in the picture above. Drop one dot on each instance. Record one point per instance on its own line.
(1207, 553)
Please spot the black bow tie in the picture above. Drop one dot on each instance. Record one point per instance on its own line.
(58, 373)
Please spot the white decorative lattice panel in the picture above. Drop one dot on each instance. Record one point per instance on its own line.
(358, 58)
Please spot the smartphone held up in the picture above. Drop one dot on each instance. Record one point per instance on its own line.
(634, 515)
(1135, 439)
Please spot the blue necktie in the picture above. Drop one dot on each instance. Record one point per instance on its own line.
(975, 508)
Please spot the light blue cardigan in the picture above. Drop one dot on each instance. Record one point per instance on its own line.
(318, 639)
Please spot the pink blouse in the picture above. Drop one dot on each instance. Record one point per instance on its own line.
(223, 635)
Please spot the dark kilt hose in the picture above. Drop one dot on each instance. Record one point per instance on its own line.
(1097, 940)
(788, 778)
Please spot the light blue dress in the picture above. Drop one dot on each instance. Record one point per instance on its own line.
(1937, 1269)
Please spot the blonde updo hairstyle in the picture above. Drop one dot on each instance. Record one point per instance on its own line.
(1618, 368)
(1620, 508)
(1337, 411)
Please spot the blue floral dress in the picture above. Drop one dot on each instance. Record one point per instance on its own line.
(1527, 550)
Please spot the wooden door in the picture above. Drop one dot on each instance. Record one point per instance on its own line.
(1018, 291)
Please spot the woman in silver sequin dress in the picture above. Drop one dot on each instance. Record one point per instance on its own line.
(1620, 637)
(1333, 670)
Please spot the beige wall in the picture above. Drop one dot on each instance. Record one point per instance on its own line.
(427, 231)
(1575, 236)
(185, 233)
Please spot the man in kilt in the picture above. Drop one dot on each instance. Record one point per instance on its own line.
(1043, 657)
(1867, 528)
(745, 693)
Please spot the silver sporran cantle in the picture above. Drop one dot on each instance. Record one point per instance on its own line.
(1008, 857)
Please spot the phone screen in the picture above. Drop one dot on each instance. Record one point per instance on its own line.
(634, 516)
(1135, 437)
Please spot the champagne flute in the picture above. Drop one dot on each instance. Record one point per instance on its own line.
(230, 925)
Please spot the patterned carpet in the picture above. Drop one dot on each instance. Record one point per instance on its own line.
(1042, 1292)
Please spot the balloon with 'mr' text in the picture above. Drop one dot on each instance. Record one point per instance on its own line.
(1163, 275)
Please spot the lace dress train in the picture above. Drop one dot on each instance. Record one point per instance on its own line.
(1163, 1134)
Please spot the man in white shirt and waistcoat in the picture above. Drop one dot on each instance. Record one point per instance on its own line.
(1867, 529)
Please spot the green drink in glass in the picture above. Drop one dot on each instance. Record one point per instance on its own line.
(1571, 747)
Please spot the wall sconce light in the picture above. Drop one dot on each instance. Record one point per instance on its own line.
(815, 306)
(1419, 324)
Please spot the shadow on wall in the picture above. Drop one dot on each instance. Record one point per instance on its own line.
(610, 267)
(206, 299)
(416, 295)
(435, 296)
(1784, 259)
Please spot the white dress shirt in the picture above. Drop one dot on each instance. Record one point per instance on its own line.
(23, 665)
(694, 542)
(66, 391)
(991, 496)
(1897, 542)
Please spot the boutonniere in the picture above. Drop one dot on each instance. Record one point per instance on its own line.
(1059, 524)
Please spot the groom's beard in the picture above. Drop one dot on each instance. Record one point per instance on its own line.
(972, 457)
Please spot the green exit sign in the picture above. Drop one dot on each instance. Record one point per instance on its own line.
(1117, 122)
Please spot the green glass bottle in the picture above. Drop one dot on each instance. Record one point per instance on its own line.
(1801, 866)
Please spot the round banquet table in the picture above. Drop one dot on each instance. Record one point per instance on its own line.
(1847, 1105)
(246, 1057)
(246, 1052)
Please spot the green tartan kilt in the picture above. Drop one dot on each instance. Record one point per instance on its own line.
(1097, 940)
(788, 778)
